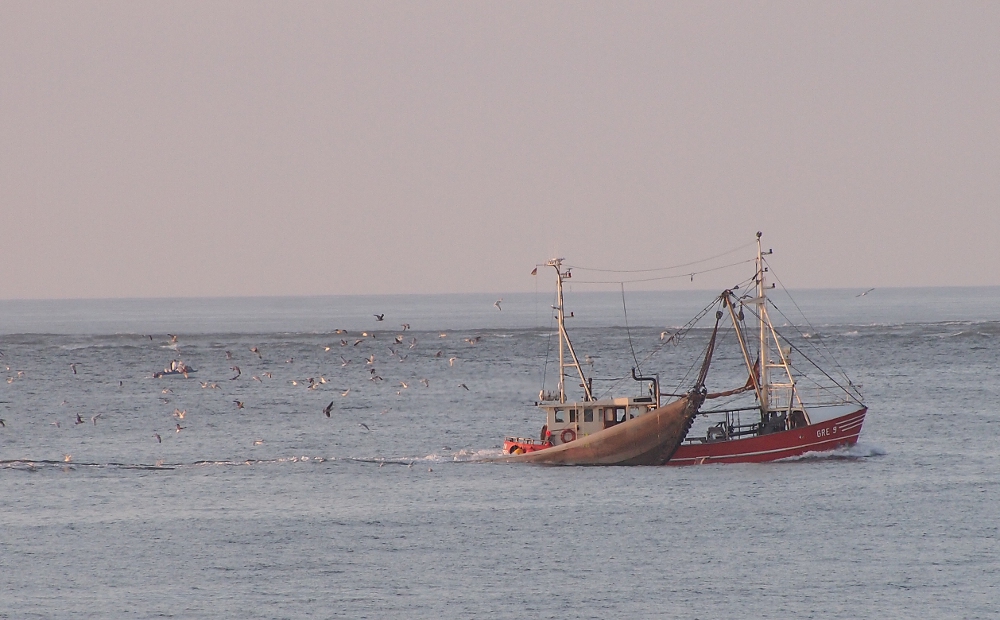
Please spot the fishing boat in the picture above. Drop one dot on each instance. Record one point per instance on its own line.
(627, 430)
(789, 413)
(796, 408)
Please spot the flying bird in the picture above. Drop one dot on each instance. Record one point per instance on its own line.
(239, 404)
(497, 304)
(379, 317)
(79, 419)
(94, 419)
(346, 392)
(238, 372)
(451, 361)
(257, 351)
(158, 438)
(406, 326)
(328, 408)
(364, 425)
(462, 385)
(179, 428)
(73, 366)
(179, 414)
(865, 293)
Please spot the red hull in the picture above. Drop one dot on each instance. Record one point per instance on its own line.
(820, 437)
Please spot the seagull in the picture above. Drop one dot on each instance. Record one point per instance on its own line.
(865, 293)
(158, 438)
(328, 408)
(258, 442)
(179, 414)
(55, 424)
(375, 378)
(362, 423)
(371, 359)
(379, 317)
(166, 391)
(239, 404)
(94, 419)
(438, 354)
(79, 419)
(406, 326)
(229, 355)
(462, 385)
(67, 458)
(3, 423)
(473, 340)
(404, 384)
(451, 361)
(345, 361)
(442, 335)
(343, 342)
(256, 378)
(179, 428)
(73, 366)
(497, 304)
(346, 392)
(238, 372)
(257, 351)
(357, 342)
(267, 374)
(173, 338)
(425, 382)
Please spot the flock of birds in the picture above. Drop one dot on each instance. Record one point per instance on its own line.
(397, 349)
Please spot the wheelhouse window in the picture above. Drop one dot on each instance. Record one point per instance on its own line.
(588, 415)
(572, 415)
(634, 411)
(559, 416)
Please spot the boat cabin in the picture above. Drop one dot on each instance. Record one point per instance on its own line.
(566, 422)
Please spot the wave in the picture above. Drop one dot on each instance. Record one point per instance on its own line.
(857, 451)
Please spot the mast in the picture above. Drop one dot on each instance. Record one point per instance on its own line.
(564, 342)
(765, 382)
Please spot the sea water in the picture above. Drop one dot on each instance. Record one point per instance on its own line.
(381, 510)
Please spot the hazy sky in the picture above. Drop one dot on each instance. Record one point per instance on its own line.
(252, 148)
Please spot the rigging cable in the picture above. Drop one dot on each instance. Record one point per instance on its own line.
(672, 277)
(628, 331)
(821, 349)
(704, 260)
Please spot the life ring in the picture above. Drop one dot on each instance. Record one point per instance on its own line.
(567, 435)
